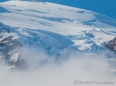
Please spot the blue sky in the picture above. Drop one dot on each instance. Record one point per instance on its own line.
(106, 7)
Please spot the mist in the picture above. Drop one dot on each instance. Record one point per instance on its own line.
(70, 69)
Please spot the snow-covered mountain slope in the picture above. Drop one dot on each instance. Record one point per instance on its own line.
(52, 27)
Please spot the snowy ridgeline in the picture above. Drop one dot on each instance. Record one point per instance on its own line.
(52, 29)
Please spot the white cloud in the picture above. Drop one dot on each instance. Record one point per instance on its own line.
(15, 0)
(25, 0)
(77, 67)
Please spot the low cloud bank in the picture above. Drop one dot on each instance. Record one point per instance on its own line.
(74, 69)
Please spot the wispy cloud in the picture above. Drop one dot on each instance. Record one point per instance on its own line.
(76, 67)
(25, 0)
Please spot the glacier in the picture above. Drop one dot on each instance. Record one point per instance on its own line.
(52, 28)
(49, 44)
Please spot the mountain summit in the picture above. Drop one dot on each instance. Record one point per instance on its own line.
(52, 28)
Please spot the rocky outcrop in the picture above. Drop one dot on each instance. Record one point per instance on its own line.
(112, 45)
(11, 50)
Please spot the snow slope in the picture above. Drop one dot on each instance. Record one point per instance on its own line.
(52, 27)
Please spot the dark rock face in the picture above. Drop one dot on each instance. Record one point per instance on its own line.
(112, 45)
(11, 51)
